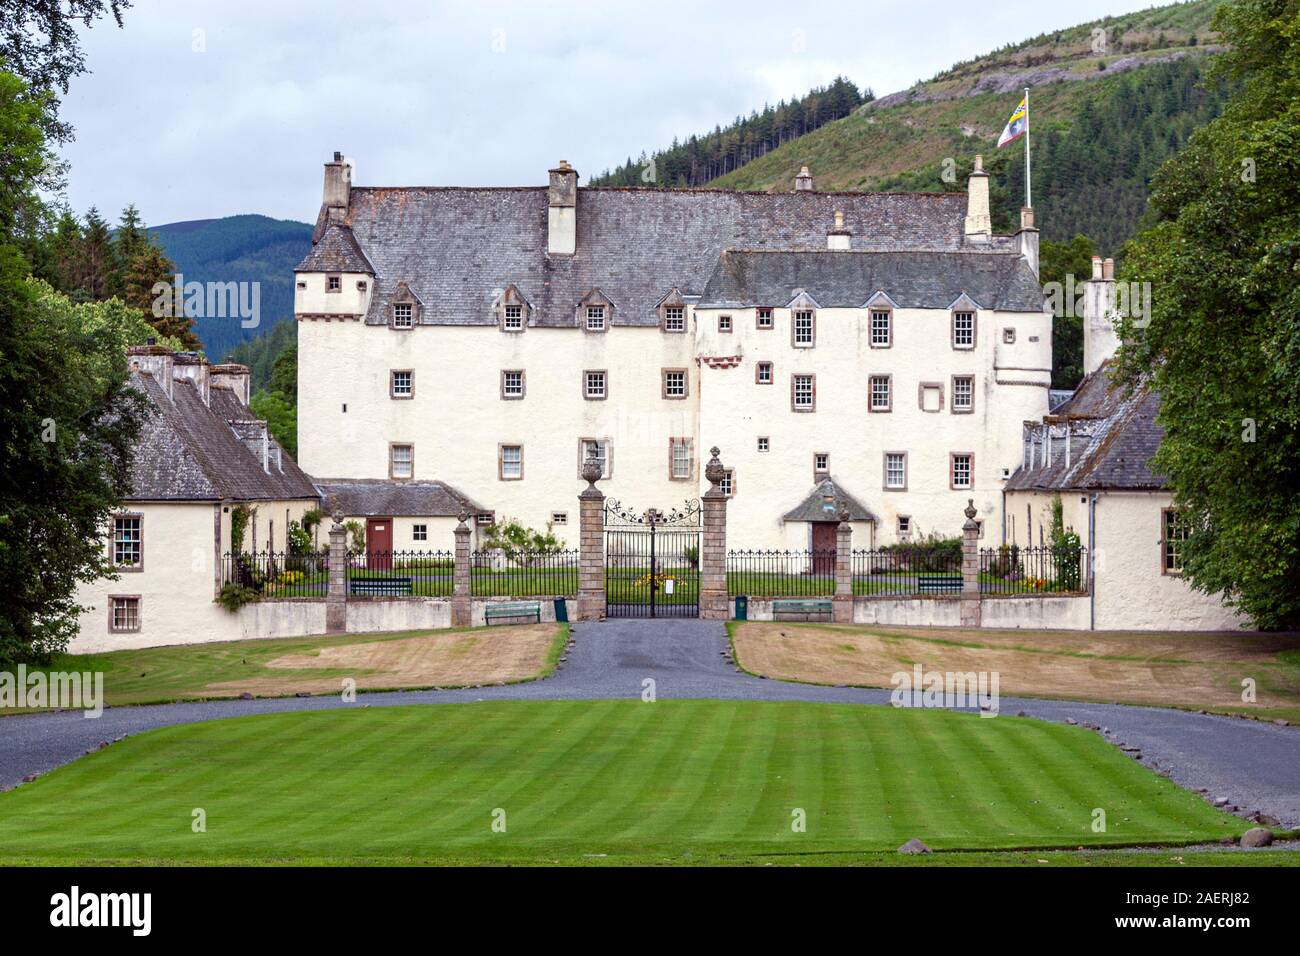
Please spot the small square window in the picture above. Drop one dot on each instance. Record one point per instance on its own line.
(904, 525)
(486, 518)
(512, 383)
(881, 399)
(821, 463)
(124, 613)
(595, 318)
(1009, 336)
(961, 470)
(559, 517)
(419, 532)
(674, 383)
(333, 283)
(402, 384)
(675, 318)
(764, 443)
(881, 328)
(401, 461)
(763, 373)
(403, 315)
(512, 319)
(511, 463)
(764, 318)
(803, 393)
(594, 387)
(724, 323)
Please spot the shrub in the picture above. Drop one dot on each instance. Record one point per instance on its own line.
(234, 596)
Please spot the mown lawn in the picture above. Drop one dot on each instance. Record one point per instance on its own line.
(595, 781)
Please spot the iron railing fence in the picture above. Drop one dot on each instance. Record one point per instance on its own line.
(1011, 569)
(401, 573)
(494, 573)
(277, 574)
(791, 573)
(895, 571)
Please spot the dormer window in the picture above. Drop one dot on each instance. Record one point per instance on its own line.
(675, 318)
(333, 283)
(595, 318)
(403, 308)
(963, 329)
(512, 310)
(403, 315)
(513, 318)
(882, 328)
(804, 329)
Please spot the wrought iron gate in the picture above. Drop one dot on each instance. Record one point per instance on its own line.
(652, 561)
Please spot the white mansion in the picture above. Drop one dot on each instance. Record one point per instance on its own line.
(883, 349)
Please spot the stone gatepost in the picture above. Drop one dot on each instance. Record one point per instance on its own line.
(970, 568)
(842, 609)
(336, 598)
(591, 545)
(714, 604)
(462, 609)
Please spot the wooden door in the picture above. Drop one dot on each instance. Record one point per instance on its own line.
(379, 544)
(823, 546)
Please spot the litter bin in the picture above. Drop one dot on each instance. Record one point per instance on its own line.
(561, 611)
(742, 607)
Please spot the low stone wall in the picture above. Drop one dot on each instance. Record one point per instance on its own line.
(1038, 611)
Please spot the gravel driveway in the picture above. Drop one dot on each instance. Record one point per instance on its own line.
(1255, 765)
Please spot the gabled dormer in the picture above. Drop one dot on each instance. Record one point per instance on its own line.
(512, 310)
(672, 312)
(404, 308)
(803, 320)
(964, 322)
(595, 312)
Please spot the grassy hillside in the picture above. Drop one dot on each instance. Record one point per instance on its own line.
(238, 249)
(1128, 107)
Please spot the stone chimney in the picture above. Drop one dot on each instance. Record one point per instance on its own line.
(562, 211)
(193, 367)
(237, 378)
(979, 225)
(803, 182)
(338, 188)
(1099, 338)
(839, 238)
(155, 361)
(1027, 238)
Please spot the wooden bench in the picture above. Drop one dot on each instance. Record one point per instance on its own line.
(380, 587)
(938, 584)
(513, 609)
(803, 608)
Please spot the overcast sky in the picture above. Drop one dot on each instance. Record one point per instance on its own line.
(201, 109)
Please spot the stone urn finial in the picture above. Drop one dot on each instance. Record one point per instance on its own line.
(845, 517)
(970, 509)
(337, 518)
(463, 517)
(592, 472)
(714, 471)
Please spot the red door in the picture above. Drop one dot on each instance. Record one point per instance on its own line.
(379, 544)
(823, 545)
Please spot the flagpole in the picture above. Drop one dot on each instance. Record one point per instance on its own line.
(1028, 200)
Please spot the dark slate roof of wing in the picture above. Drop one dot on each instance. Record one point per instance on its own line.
(188, 451)
(459, 248)
(335, 251)
(1115, 433)
(913, 280)
(394, 499)
(813, 508)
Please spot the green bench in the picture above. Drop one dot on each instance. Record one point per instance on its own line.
(380, 587)
(805, 609)
(513, 609)
(938, 584)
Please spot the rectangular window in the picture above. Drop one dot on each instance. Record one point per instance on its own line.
(821, 463)
(589, 448)
(513, 318)
(510, 464)
(403, 315)
(896, 470)
(724, 323)
(728, 483)
(487, 518)
(675, 318)
(559, 517)
(764, 443)
(402, 384)
(961, 469)
(763, 373)
(127, 546)
(963, 330)
(804, 332)
(881, 397)
(681, 464)
(333, 283)
(904, 525)
(124, 613)
(595, 318)
(512, 383)
(419, 532)
(401, 461)
(674, 383)
(803, 393)
(1009, 336)
(881, 330)
(1173, 532)
(764, 318)
(963, 393)
(594, 385)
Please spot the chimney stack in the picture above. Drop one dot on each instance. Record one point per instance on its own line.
(338, 188)
(979, 226)
(562, 211)
(235, 377)
(1099, 338)
(155, 361)
(839, 238)
(193, 367)
(1027, 238)
(803, 182)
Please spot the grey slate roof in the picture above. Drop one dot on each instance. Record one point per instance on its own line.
(458, 248)
(335, 251)
(1121, 436)
(813, 508)
(913, 280)
(392, 499)
(188, 451)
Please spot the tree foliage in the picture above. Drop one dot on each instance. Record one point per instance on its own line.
(1223, 342)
